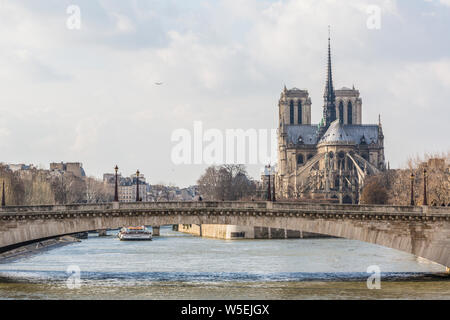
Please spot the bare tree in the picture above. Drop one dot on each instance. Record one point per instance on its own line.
(97, 191)
(374, 191)
(161, 193)
(14, 187)
(226, 182)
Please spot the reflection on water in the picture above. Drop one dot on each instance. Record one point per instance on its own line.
(179, 266)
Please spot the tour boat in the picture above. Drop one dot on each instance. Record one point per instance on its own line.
(135, 233)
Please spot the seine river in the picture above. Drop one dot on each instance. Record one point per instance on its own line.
(180, 266)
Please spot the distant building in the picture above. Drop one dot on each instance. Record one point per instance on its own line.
(435, 163)
(127, 186)
(20, 166)
(172, 193)
(110, 178)
(147, 192)
(329, 160)
(75, 168)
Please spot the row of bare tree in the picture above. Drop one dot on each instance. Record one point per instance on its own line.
(37, 187)
(394, 186)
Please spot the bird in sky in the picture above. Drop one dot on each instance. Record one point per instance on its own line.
(158, 83)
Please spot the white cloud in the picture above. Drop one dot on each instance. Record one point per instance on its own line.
(86, 139)
(123, 23)
(90, 95)
(4, 133)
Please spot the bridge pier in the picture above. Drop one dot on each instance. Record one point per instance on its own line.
(155, 231)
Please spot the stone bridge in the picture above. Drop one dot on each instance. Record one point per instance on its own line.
(422, 231)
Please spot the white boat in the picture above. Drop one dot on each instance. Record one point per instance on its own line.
(135, 233)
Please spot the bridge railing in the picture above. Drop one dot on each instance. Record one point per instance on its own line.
(355, 207)
(58, 207)
(332, 208)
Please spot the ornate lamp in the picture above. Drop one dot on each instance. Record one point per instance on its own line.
(3, 195)
(425, 200)
(412, 189)
(116, 191)
(137, 186)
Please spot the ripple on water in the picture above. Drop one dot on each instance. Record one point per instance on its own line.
(180, 266)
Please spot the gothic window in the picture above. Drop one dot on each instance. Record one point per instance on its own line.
(341, 112)
(299, 112)
(291, 120)
(309, 156)
(349, 113)
(349, 164)
(336, 182)
(300, 159)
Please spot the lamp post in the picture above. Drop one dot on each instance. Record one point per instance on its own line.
(425, 200)
(3, 195)
(116, 188)
(273, 190)
(63, 188)
(137, 186)
(412, 189)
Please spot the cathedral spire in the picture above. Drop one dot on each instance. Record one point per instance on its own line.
(329, 108)
(329, 90)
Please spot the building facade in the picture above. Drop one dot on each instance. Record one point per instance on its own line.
(329, 160)
(127, 188)
(74, 168)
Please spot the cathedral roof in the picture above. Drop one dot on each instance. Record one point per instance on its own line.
(336, 133)
(368, 131)
(308, 133)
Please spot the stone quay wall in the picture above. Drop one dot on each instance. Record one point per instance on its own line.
(232, 232)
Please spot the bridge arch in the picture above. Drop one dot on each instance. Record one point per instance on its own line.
(422, 231)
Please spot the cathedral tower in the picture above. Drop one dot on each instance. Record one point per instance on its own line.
(328, 161)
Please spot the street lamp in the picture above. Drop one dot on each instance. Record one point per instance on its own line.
(137, 186)
(269, 191)
(425, 200)
(273, 196)
(63, 188)
(3, 195)
(116, 188)
(412, 189)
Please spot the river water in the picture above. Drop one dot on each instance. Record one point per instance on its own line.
(181, 266)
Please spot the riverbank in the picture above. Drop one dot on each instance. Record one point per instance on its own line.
(231, 232)
(36, 248)
(437, 289)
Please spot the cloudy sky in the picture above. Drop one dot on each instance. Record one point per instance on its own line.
(89, 94)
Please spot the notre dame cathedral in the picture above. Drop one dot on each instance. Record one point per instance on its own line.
(331, 160)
